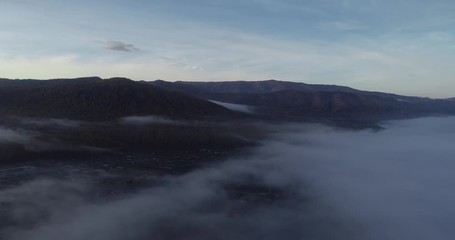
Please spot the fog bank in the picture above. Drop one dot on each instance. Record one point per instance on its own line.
(396, 184)
(304, 182)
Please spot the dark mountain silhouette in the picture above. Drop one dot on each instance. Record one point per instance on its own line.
(93, 99)
(96, 99)
(291, 100)
(253, 87)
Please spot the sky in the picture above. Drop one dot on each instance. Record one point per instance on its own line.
(399, 46)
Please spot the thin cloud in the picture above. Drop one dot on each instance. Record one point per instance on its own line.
(120, 46)
(342, 26)
(12, 136)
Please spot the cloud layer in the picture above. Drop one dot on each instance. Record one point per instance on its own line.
(304, 182)
(393, 184)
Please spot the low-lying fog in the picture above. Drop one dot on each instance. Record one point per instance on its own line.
(304, 182)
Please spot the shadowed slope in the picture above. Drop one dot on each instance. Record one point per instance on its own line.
(98, 99)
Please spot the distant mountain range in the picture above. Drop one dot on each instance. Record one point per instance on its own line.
(252, 87)
(291, 100)
(97, 99)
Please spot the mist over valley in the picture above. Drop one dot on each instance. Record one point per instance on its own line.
(227, 120)
(236, 170)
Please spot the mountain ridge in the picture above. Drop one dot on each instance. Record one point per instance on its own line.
(94, 98)
(301, 100)
(264, 86)
(97, 99)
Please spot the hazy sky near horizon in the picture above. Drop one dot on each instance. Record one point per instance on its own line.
(401, 46)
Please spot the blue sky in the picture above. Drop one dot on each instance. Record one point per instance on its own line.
(401, 46)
